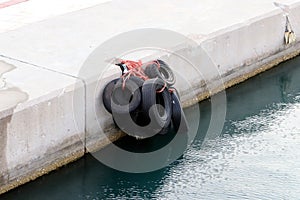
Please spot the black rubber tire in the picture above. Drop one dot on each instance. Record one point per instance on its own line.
(163, 72)
(127, 99)
(123, 96)
(178, 117)
(107, 92)
(133, 115)
(176, 92)
(150, 100)
(165, 130)
(138, 81)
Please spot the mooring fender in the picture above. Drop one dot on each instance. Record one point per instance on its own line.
(107, 92)
(161, 70)
(125, 95)
(156, 106)
(180, 124)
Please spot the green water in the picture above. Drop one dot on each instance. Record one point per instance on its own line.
(257, 156)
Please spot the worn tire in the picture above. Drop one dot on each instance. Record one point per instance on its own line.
(127, 99)
(178, 117)
(176, 92)
(163, 72)
(107, 92)
(165, 130)
(150, 99)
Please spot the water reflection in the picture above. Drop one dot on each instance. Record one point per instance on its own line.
(257, 156)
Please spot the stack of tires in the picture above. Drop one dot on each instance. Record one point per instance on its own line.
(143, 108)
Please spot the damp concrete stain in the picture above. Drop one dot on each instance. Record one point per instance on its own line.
(4, 67)
(10, 97)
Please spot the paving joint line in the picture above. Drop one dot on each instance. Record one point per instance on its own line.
(64, 74)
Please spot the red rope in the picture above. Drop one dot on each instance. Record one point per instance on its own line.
(135, 69)
(162, 89)
(132, 64)
(171, 90)
(153, 62)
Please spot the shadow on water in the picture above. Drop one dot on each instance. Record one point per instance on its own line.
(278, 85)
(89, 179)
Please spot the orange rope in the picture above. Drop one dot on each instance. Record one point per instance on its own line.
(171, 90)
(162, 89)
(135, 69)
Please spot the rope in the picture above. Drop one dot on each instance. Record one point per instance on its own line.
(171, 90)
(162, 89)
(135, 69)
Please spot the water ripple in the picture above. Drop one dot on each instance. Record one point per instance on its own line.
(259, 162)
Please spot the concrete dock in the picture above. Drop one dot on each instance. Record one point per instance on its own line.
(51, 80)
